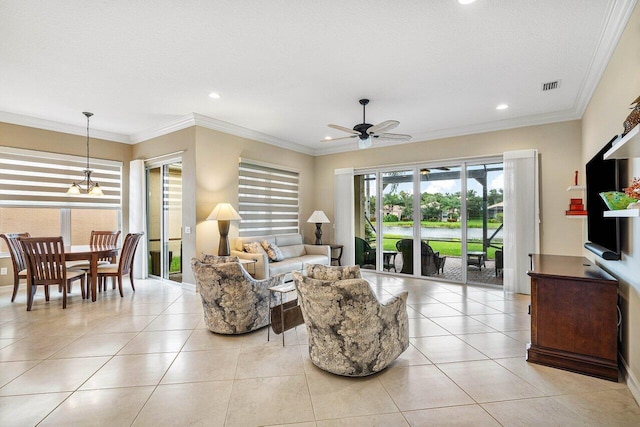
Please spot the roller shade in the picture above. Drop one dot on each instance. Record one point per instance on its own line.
(35, 178)
(267, 199)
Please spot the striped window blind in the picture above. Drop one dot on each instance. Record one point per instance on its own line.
(31, 178)
(268, 199)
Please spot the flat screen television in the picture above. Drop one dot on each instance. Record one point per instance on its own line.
(603, 233)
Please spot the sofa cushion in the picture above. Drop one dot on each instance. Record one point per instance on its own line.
(288, 239)
(254, 248)
(273, 251)
(240, 241)
(313, 259)
(292, 251)
(285, 266)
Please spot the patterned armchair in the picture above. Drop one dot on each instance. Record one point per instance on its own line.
(233, 301)
(350, 332)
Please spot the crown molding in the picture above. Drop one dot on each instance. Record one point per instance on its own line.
(230, 128)
(617, 20)
(195, 119)
(173, 126)
(34, 122)
(518, 122)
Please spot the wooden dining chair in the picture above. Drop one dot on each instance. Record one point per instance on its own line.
(98, 238)
(45, 262)
(17, 259)
(124, 266)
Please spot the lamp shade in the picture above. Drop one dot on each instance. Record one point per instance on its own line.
(318, 217)
(223, 212)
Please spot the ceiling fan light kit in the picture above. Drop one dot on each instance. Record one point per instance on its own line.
(366, 132)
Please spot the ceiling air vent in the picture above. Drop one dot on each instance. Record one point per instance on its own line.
(550, 85)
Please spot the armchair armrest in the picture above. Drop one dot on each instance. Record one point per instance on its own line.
(262, 262)
(318, 250)
(396, 302)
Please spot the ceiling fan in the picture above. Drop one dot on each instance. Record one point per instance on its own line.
(366, 132)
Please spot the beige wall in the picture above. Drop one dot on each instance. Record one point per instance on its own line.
(57, 142)
(217, 180)
(603, 119)
(210, 176)
(180, 141)
(559, 152)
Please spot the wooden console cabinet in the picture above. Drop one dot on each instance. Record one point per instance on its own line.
(574, 317)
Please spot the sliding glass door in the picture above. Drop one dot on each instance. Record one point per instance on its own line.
(484, 223)
(164, 220)
(440, 225)
(439, 234)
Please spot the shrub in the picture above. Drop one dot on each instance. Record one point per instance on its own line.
(390, 218)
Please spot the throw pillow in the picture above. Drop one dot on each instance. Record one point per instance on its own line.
(253, 248)
(273, 251)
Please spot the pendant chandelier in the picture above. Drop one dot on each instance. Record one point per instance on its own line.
(86, 185)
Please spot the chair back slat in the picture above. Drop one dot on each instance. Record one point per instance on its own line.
(105, 238)
(45, 260)
(15, 249)
(128, 252)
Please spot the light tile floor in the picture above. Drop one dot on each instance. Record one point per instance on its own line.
(148, 360)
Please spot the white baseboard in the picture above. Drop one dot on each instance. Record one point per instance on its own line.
(189, 287)
(631, 380)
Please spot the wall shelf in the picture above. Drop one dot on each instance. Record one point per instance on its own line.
(576, 188)
(576, 216)
(627, 147)
(622, 213)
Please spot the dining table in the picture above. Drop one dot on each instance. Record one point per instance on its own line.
(92, 253)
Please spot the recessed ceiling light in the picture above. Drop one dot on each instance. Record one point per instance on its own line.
(327, 138)
(502, 107)
(466, 1)
(214, 95)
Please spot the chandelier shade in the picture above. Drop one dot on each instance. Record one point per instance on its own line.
(87, 185)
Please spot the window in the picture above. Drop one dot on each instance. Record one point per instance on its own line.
(33, 195)
(268, 199)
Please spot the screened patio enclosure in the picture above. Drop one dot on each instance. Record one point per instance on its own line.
(439, 234)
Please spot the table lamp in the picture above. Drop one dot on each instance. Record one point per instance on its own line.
(319, 218)
(224, 214)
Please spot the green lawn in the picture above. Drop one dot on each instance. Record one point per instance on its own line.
(445, 248)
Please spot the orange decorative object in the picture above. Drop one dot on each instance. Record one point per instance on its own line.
(634, 189)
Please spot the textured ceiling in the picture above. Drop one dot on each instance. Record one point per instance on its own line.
(285, 69)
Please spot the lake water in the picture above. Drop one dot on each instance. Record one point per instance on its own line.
(442, 233)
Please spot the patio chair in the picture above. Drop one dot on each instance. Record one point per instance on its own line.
(430, 259)
(499, 263)
(365, 254)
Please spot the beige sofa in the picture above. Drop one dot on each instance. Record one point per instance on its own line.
(297, 255)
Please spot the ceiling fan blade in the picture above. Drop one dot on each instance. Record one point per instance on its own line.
(383, 127)
(394, 137)
(344, 129)
(337, 139)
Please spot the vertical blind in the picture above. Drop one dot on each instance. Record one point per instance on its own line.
(267, 199)
(31, 178)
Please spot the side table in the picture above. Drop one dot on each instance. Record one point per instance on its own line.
(389, 260)
(476, 258)
(337, 258)
(286, 315)
(245, 262)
